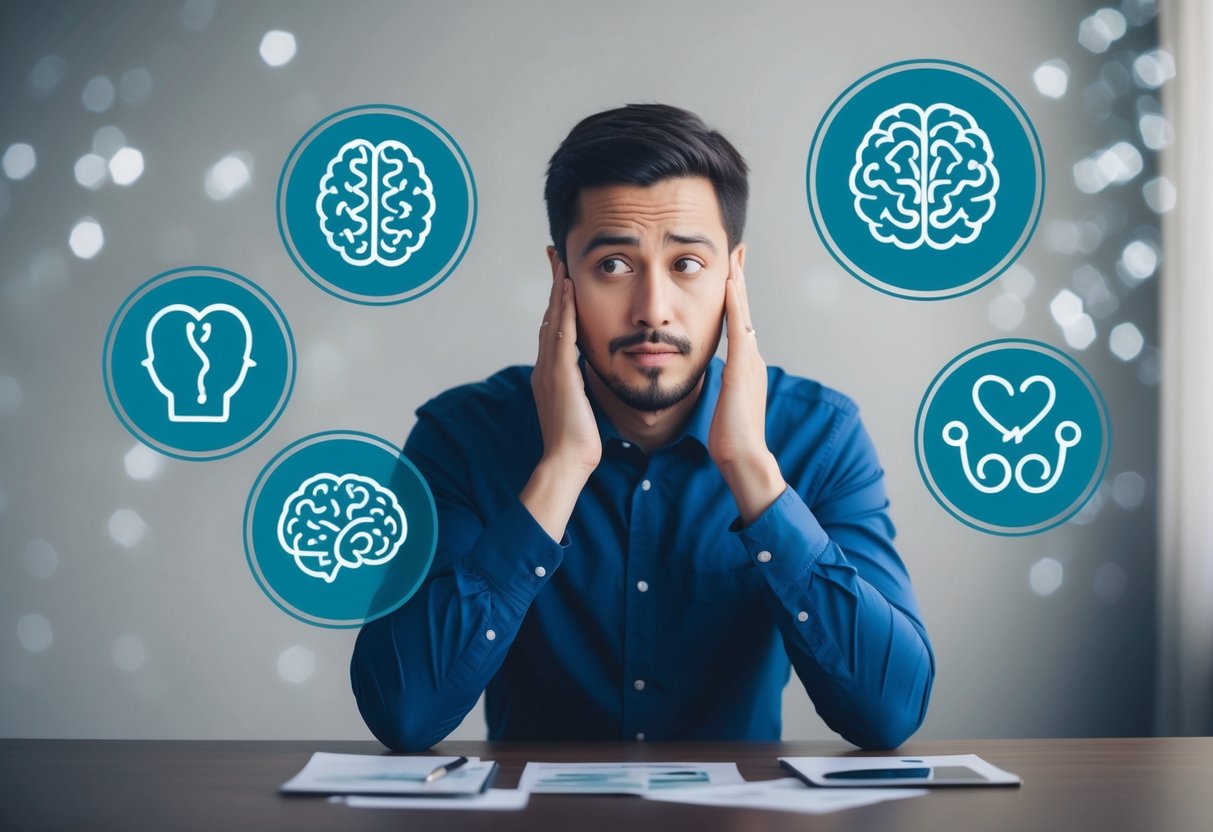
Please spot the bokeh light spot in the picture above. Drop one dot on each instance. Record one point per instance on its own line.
(1128, 489)
(126, 528)
(91, 171)
(142, 463)
(86, 238)
(1006, 311)
(1080, 333)
(126, 166)
(1139, 260)
(40, 559)
(1052, 78)
(1110, 582)
(34, 632)
(47, 74)
(1066, 307)
(1159, 194)
(1154, 68)
(135, 85)
(229, 176)
(108, 140)
(19, 160)
(1046, 576)
(296, 664)
(1101, 30)
(98, 95)
(196, 15)
(277, 47)
(1125, 341)
(128, 652)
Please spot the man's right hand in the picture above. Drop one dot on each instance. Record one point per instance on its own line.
(572, 447)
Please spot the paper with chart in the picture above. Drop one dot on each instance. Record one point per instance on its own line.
(493, 800)
(624, 778)
(385, 774)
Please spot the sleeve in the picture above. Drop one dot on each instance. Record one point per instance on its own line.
(418, 671)
(843, 599)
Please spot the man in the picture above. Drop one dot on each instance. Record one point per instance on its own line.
(641, 543)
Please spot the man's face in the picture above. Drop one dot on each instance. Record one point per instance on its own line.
(649, 267)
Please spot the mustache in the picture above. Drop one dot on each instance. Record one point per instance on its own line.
(650, 336)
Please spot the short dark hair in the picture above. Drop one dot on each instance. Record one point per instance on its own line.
(642, 144)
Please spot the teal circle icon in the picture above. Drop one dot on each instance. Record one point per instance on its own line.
(925, 179)
(377, 204)
(340, 528)
(1012, 437)
(199, 363)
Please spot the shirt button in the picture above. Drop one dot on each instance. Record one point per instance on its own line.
(802, 616)
(643, 586)
(490, 635)
(638, 684)
(764, 556)
(646, 485)
(540, 571)
(640, 736)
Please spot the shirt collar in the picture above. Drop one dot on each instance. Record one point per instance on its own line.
(698, 425)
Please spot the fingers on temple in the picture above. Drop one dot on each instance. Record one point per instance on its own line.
(568, 319)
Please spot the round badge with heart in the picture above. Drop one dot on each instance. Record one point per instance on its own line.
(1012, 437)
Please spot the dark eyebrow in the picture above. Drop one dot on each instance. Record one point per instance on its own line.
(599, 240)
(692, 240)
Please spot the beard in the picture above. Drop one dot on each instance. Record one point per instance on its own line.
(652, 397)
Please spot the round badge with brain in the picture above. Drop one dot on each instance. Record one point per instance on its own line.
(340, 529)
(377, 204)
(925, 179)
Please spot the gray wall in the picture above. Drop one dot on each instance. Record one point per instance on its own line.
(126, 605)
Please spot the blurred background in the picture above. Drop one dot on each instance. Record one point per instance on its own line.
(138, 137)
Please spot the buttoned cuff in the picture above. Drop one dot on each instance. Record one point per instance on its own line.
(785, 541)
(516, 556)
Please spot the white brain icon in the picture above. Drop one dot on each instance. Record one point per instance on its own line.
(375, 203)
(333, 521)
(925, 177)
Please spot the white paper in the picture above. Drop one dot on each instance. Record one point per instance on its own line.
(327, 773)
(816, 768)
(492, 800)
(624, 778)
(786, 795)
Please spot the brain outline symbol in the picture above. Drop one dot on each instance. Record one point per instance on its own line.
(332, 521)
(942, 203)
(375, 203)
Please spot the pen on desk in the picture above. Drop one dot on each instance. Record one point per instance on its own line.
(444, 770)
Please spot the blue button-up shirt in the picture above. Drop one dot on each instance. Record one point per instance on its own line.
(658, 616)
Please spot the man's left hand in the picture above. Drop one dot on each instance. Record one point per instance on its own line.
(737, 439)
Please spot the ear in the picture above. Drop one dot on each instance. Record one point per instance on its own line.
(737, 258)
(554, 260)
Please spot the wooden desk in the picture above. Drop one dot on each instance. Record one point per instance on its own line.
(1154, 785)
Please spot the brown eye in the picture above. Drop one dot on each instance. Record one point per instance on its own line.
(613, 265)
(687, 265)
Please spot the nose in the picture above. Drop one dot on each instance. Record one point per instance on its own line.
(651, 300)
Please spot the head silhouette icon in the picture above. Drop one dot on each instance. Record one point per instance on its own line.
(198, 359)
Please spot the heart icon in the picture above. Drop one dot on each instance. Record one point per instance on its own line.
(1017, 433)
